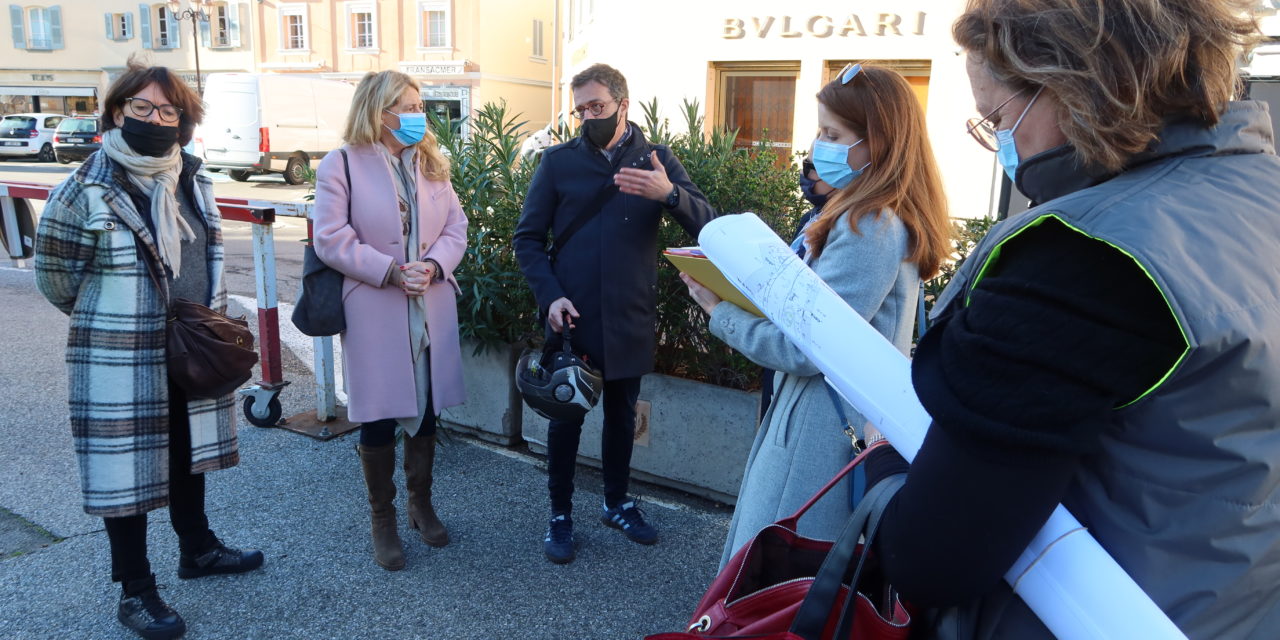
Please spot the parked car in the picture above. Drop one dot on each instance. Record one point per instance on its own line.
(28, 135)
(271, 123)
(76, 138)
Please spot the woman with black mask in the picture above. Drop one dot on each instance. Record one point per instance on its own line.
(135, 217)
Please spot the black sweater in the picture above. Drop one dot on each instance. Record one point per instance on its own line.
(1020, 383)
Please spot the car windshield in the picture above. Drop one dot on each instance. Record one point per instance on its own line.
(18, 122)
(78, 125)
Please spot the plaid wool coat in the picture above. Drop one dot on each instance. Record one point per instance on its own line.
(90, 248)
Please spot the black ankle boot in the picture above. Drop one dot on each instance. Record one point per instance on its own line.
(143, 611)
(218, 559)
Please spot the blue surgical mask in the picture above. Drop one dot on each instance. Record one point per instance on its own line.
(1006, 149)
(413, 127)
(832, 162)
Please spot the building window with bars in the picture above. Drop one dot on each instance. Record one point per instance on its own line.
(361, 32)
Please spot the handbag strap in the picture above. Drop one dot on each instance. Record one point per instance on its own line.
(790, 521)
(585, 215)
(844, 418)
(811, 619)
(346, 168)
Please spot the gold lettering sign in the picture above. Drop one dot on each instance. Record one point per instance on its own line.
(883, 24)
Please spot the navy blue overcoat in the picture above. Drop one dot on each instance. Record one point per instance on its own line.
(608, 269)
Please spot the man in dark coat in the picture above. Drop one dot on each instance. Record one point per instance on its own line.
(603, 279)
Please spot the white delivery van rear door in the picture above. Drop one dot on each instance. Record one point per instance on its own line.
(232, 120)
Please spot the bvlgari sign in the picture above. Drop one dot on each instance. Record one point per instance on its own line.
(850, 25)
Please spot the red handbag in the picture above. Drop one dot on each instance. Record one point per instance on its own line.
(783, 586)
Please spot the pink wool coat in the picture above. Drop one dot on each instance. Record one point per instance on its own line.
(375, 346)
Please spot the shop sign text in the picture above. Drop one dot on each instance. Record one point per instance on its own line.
(883, 24)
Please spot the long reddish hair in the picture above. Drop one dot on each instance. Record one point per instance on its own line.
(903, 177)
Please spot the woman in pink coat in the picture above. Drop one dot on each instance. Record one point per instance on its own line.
(405, 236)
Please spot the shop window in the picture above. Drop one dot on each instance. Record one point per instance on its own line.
(119, 26)
(362, 33)
(537, 40)
(293, 27)
(36, 28)
(758, 100)
(433, 25)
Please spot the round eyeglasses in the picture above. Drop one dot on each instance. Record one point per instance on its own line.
(142, 108)
(596, 108)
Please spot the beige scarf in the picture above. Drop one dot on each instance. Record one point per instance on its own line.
(158, 178)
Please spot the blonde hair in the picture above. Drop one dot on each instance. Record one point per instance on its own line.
(376, 93)
(1120, 68)
(880, 106)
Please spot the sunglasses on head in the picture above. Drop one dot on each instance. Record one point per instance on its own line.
(849, 72)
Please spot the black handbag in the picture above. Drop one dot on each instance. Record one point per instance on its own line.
(319, 311)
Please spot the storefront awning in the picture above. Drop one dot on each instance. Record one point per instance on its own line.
(46, 91)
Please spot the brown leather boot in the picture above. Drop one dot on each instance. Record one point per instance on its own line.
(419, 458)
(379, 464)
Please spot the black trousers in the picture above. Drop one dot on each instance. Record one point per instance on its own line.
(381, 433)
(615, 447)
(128, 535)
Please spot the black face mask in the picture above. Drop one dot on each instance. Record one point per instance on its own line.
(807, 184)
(149, 139)
(599, 131)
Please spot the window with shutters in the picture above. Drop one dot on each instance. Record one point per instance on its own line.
(293, 27)
(166, 28)
(39, 33)
(119, 26)
(220, 24)
(537, 40)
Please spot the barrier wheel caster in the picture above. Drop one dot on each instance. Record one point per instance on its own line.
(273, 412)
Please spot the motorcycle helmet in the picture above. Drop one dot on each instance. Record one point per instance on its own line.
(558, 385)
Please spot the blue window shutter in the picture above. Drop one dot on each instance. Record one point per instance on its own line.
(206, 38)
(19, 33)
(128, 27)
(233, 24)
(55, 26)
(175, 30)
(111, 31)
(144, 19)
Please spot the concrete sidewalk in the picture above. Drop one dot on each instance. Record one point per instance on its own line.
(302, 502)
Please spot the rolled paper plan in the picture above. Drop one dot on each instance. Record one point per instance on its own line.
(1067, 578)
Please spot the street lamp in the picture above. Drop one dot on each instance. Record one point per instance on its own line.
(196, 15)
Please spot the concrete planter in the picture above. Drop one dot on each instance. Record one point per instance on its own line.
(492, 411)
(690, 436)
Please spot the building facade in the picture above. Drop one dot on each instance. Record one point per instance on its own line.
(62, 56)
(464, 52)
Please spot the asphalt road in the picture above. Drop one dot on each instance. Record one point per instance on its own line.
(302, 502)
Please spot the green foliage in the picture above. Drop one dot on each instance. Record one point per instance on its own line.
(734, 181)
(497, 307)
(965, 235)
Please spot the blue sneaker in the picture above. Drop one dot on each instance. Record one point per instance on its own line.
(630, 519)
(558, 545)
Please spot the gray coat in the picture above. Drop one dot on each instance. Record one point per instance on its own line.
(801, 443)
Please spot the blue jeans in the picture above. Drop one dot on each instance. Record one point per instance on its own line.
(615, 447)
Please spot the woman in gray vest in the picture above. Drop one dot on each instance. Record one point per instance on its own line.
(1116, 348)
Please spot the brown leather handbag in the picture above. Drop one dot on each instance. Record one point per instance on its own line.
(208, 354)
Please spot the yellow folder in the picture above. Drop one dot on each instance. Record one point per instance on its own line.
(701, 269)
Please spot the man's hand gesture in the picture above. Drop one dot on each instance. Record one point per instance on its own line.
(653, 185)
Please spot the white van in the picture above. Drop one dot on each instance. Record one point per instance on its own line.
(271, 123)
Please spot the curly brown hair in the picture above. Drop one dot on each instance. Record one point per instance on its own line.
(136, 78)
(1120, 68)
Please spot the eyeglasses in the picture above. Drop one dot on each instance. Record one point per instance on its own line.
(142, 108)
(849, 72)
(596, 108)
(981, 128)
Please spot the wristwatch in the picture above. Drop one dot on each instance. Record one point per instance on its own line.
(673, 198)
